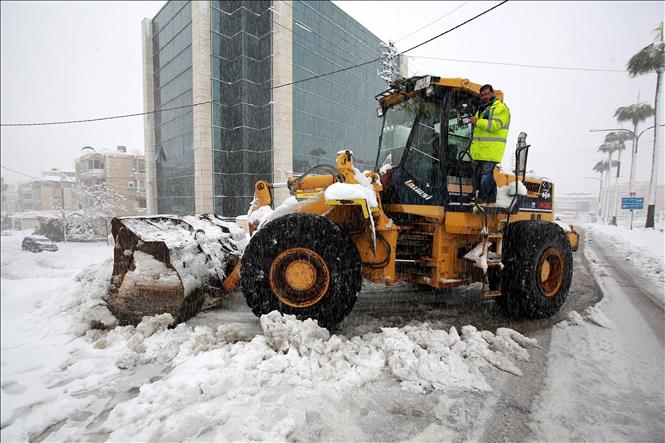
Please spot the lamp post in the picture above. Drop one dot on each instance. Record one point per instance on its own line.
(633, 163)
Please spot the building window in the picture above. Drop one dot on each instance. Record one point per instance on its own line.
(140, 184)
(139, 166)
(140, 203)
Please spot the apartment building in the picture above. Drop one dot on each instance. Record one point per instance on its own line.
(54, 191)
(117, 171)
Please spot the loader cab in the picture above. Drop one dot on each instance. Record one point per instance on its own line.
(423, 147)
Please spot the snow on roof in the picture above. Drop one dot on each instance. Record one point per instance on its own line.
(45, 214)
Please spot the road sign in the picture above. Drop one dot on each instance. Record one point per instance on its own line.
(632, 202)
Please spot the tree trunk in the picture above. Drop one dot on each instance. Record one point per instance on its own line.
(615, 206)
(608, 190)
(633, 161)
(657, 144)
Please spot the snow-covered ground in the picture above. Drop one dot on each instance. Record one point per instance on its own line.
(64, 380)
(643, 252)
(605, 377)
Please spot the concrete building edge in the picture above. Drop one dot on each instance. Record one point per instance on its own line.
(202, 114)
(149, 119)
(282, 98)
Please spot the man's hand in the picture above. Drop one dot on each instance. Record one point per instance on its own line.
(472, 120)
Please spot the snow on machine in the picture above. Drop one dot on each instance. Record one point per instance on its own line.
(413, 219)
(172, 264)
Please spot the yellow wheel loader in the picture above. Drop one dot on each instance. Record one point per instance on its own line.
(413, 219)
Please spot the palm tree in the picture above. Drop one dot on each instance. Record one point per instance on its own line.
(601, 167)
(609, 148)
(618, 139)
(635, 114)
(650, 59)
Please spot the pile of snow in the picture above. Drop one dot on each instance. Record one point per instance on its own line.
(347, 191)
(289, 206)
(506, 194)
(254, 390)
(258, 215)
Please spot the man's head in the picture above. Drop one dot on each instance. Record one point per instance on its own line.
(486, 93)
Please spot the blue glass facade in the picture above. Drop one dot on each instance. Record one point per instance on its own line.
(337, 111)
(241, 64)
(331, 113)
(172, 75)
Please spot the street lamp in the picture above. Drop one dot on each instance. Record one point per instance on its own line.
(633, 163)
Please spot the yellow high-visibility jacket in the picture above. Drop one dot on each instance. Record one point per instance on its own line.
(491, 132)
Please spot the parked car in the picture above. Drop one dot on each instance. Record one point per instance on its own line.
(38, 243)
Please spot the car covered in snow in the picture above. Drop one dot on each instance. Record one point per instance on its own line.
(38, 243)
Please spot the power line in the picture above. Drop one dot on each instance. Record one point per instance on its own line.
(65, 122)
(77, 181)
(568, 68)
(454, 27)
(21, 173)
(432, 22)
(326, 74)
(273, 87)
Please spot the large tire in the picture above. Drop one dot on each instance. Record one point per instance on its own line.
(538, 269)
(301, 264)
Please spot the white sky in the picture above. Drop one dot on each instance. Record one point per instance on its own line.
(76, 60)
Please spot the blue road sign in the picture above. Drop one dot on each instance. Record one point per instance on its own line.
(632, 202)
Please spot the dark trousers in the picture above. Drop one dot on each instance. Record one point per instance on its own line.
(485, 181)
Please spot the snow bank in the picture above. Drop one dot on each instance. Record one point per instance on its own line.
(643, 251)
(250, 390)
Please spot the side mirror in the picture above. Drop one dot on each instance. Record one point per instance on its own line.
(379, 112)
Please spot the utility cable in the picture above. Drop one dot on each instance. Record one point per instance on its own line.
(432, 22)
(569, 68)
(64, 122)
(21, 173)
(273, 87)
(58, 181)
(454, 27)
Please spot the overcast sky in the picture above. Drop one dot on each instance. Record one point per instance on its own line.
(77, 60)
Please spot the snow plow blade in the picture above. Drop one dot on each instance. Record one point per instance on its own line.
(172, 264)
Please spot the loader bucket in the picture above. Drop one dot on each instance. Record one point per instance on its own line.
(172, 264)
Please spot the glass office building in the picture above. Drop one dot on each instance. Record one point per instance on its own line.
(232, 70)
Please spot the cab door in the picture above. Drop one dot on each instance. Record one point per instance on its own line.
(418, 179)
(459, 173)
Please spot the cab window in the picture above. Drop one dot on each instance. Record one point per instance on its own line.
(423, 161)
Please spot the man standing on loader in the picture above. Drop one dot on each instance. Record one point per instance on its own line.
(490, 133)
